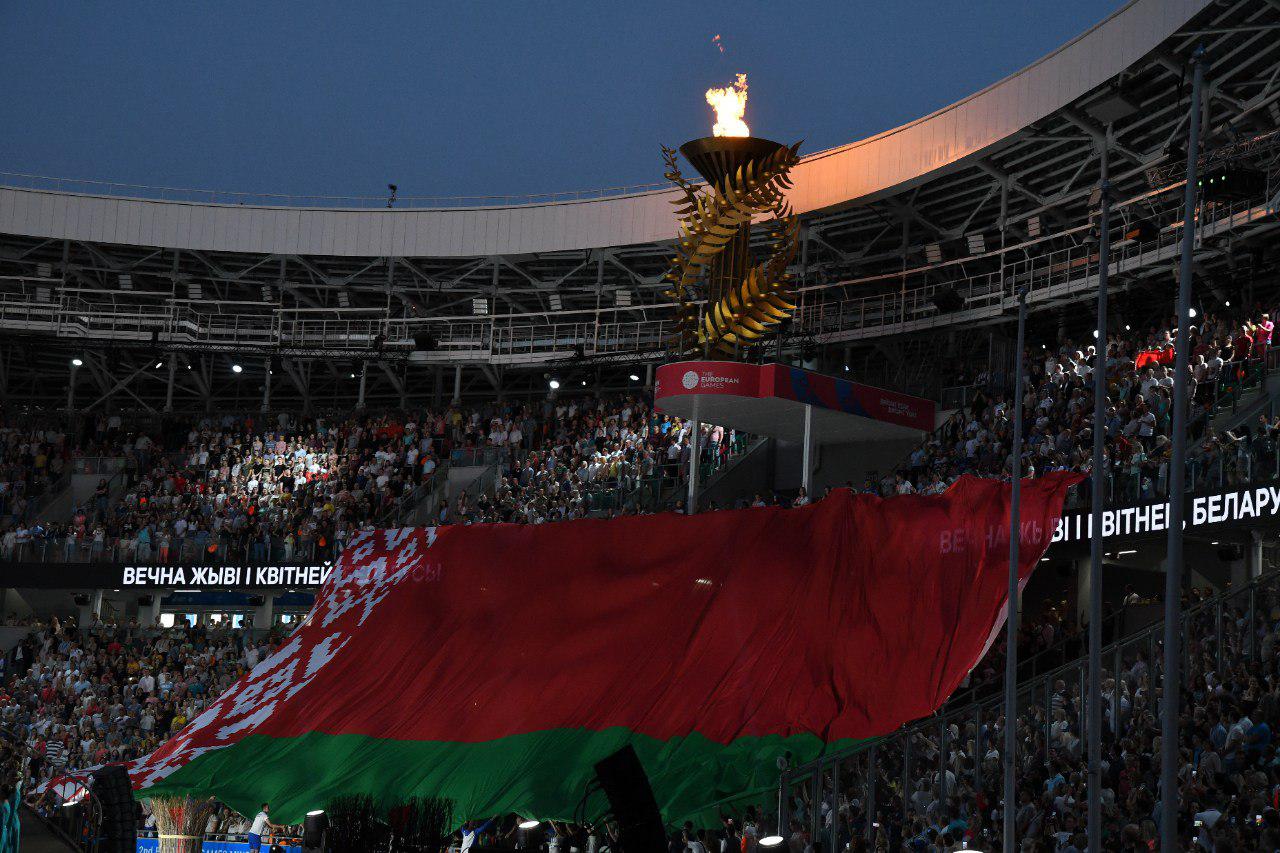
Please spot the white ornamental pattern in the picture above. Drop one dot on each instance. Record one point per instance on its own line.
(356, 586)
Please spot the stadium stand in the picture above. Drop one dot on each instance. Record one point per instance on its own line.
(147, 425)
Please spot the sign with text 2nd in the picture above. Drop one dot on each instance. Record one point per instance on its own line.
(123, 576)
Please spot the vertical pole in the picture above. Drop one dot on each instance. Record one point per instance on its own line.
(1177, 494)
(906, 779)
(168, 388)
(784, 802)
(1011, 604)
(1116, 716)
(834, 832)
(648, 376)
(977, 747)
(695, 450)
(266, 385)
(943, 762)
(871, 801)
(815, 801)
(71, 390)
(807, 473)
(457, 384)
(1093, 739)
(364, 373)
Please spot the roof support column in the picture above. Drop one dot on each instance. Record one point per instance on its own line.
(695, 451)
(266, 385)
(168, 386)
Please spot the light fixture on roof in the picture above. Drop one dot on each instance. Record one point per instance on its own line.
(555, 303)
(977, 244)
(622, 298)
(1128, 328)
(159, 364)
(1034, 228)
(529, 824)
(584, 383)
(634, 378)
(1227, 303)
(315, 812)
(235, 368)
(1191, 312)
(933, 253)
(344, 299)
(553, 384)
(77, 362)
(126, 281)
(479, 306)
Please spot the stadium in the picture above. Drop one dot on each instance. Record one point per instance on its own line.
(921, 493)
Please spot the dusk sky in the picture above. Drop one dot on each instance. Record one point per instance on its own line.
(479, 98)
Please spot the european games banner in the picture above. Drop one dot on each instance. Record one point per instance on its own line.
(1145, 519)
(123, 576)
(152, 845)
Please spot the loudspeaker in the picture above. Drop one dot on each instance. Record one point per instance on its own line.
(947, 299)
(624, 782)
(313, 828)
(114, 792)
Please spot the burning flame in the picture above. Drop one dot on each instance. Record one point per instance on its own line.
(730, 103)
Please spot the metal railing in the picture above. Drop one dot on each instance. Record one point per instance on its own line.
(825, 311)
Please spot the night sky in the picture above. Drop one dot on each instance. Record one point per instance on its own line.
(475, 98)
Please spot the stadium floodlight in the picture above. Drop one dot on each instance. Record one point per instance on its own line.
(77, 362)
(977, 244)
(634, 378)
(555, 302)
(479, 306)
(529, 824)
(771, 841)
(235, 368)
(553, 384)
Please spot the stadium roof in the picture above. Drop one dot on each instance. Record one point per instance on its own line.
(983, 196)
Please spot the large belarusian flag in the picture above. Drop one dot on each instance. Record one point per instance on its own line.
(495, 664)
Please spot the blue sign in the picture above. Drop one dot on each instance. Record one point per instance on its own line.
(152, 845)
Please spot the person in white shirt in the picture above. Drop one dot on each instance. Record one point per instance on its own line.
(261, 823)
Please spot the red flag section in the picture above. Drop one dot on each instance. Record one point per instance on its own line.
(494, 664)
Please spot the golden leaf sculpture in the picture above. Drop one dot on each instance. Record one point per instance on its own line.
(711, 217)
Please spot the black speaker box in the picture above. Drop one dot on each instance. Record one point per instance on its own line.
(624, 782)
(114, 792)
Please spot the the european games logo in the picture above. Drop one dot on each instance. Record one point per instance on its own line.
(690, 379)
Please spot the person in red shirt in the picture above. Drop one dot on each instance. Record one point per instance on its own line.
(1242, 345)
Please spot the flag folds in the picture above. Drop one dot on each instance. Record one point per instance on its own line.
(495, 664)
